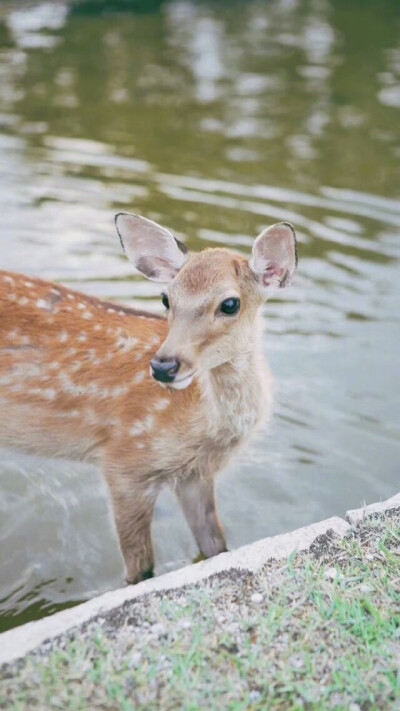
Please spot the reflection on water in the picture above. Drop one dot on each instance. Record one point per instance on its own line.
(215, 119)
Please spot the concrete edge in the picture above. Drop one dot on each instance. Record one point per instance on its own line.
(18, 642)
(355, 515)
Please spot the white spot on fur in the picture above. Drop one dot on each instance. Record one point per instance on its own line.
(119, 390)
(140, 445)
(8, 279)
(29, 284)
(26, 370)
(76, 389)
(91, 416)
(70, 296)
(12, 297)
(97, 327)
(149, 422)
(137, 428)
(141, 426)
(42, 304)
(23, 301)
(126, 343)
(87, 315)
(69, 386)
(63, 337)
(48, 393)
(139, 377)
(81, 337)
(34, 391)
(161, 404)
(94, 389)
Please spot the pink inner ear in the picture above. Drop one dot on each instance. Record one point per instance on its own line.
(273, 274)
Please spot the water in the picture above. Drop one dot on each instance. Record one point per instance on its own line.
(215, 119)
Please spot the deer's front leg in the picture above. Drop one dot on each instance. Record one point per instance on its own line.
(197, 498)
(133, 505)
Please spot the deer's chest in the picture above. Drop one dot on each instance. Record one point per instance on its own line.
(204, 436)
(222, 425)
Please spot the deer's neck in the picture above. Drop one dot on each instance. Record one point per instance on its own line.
(237, 394)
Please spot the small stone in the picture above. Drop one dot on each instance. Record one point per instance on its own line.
(330, 573)
(366, 588)
(134, 659)
(296, 661)
(257, 598)
(254, 695)
(159, 630)
(185, 624)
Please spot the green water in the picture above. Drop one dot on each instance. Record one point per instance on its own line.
(216, 119)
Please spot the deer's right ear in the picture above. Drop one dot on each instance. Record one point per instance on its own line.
(274, 257)
(152, 249)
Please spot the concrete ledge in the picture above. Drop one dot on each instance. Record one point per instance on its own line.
(16, 643)
(355, 515)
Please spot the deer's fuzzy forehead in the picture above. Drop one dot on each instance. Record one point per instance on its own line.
(209, 272)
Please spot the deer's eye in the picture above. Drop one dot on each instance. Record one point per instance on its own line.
(230, 306)
(165, 300)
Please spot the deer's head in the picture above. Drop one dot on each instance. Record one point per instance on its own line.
(211, 297)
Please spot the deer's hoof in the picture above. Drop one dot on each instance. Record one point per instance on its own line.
(140, 576)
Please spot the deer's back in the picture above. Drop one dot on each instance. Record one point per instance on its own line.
(73, 369)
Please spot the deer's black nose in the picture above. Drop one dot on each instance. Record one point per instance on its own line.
(164, 369)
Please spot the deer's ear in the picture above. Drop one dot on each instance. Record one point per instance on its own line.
(274, 257)
(152, 249)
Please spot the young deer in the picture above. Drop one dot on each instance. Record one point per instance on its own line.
(80, 377)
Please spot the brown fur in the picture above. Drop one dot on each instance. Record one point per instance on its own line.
(75, 383)
(60, 375)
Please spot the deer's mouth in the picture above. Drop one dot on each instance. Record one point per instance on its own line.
(182, 382)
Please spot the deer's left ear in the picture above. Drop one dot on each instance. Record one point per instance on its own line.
(152, 249)
(274, 257)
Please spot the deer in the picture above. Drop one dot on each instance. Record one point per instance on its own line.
(151, 400)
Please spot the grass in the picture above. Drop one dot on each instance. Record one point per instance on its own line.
(324, 635)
